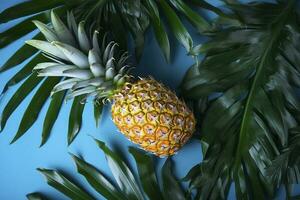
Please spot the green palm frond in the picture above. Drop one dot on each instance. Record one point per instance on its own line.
(125, 187)
(119, 18)
(250, 131)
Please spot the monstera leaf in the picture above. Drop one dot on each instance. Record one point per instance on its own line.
(250, 131)
(118, 17)
(127, 186)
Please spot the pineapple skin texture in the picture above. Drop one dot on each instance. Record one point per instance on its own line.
(152, 116)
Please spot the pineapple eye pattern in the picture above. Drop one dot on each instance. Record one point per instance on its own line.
(147, 105)
(134, 107)
(153, 117)
(162, 132)
(149, 129)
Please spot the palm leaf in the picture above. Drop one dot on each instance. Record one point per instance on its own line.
(122, 174)
(18, 97)
(98, 107)
(97, 180)
(51, 115)
(28, 8)
(20, 55)
(172, 189)
(75, 118)
(65, 185)
(35, 106)
(147, 173)
(35, 196)
(245, 132)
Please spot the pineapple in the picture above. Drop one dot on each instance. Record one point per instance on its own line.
(145, 111)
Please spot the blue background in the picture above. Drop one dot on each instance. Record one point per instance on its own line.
(18, 162)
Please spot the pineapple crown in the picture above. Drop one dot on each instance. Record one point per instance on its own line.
(86, 66)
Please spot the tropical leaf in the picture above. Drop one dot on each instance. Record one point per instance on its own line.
(65, 185)
(51, 115)
(119, 18)
(35, 196)
(18, 97)
(147, 173)
(159, 30)
(35, 106)
(98, 107)
(122, 174)
(28, 8)
(97, 180)
(75, 118)
(250, 128)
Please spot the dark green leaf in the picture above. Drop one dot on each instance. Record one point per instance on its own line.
(25, 52)
(97, 180)
(247, 129)
(21, 29)
(171, 187)
(24, 72)
(146, 173)
(177, 27)
(297, 197)
(64, 185)
(219, 12)
(36, 104)
(75, 118)
(27, 8)
(122, 174)
(159, 30)
(199, 22)
(35, 196)
(18, 97)
(52, 114)
(98, 107)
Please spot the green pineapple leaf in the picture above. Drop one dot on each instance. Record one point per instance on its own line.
(250, 74)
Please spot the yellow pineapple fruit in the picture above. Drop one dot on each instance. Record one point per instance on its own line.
(145, 111)
(152, 116)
